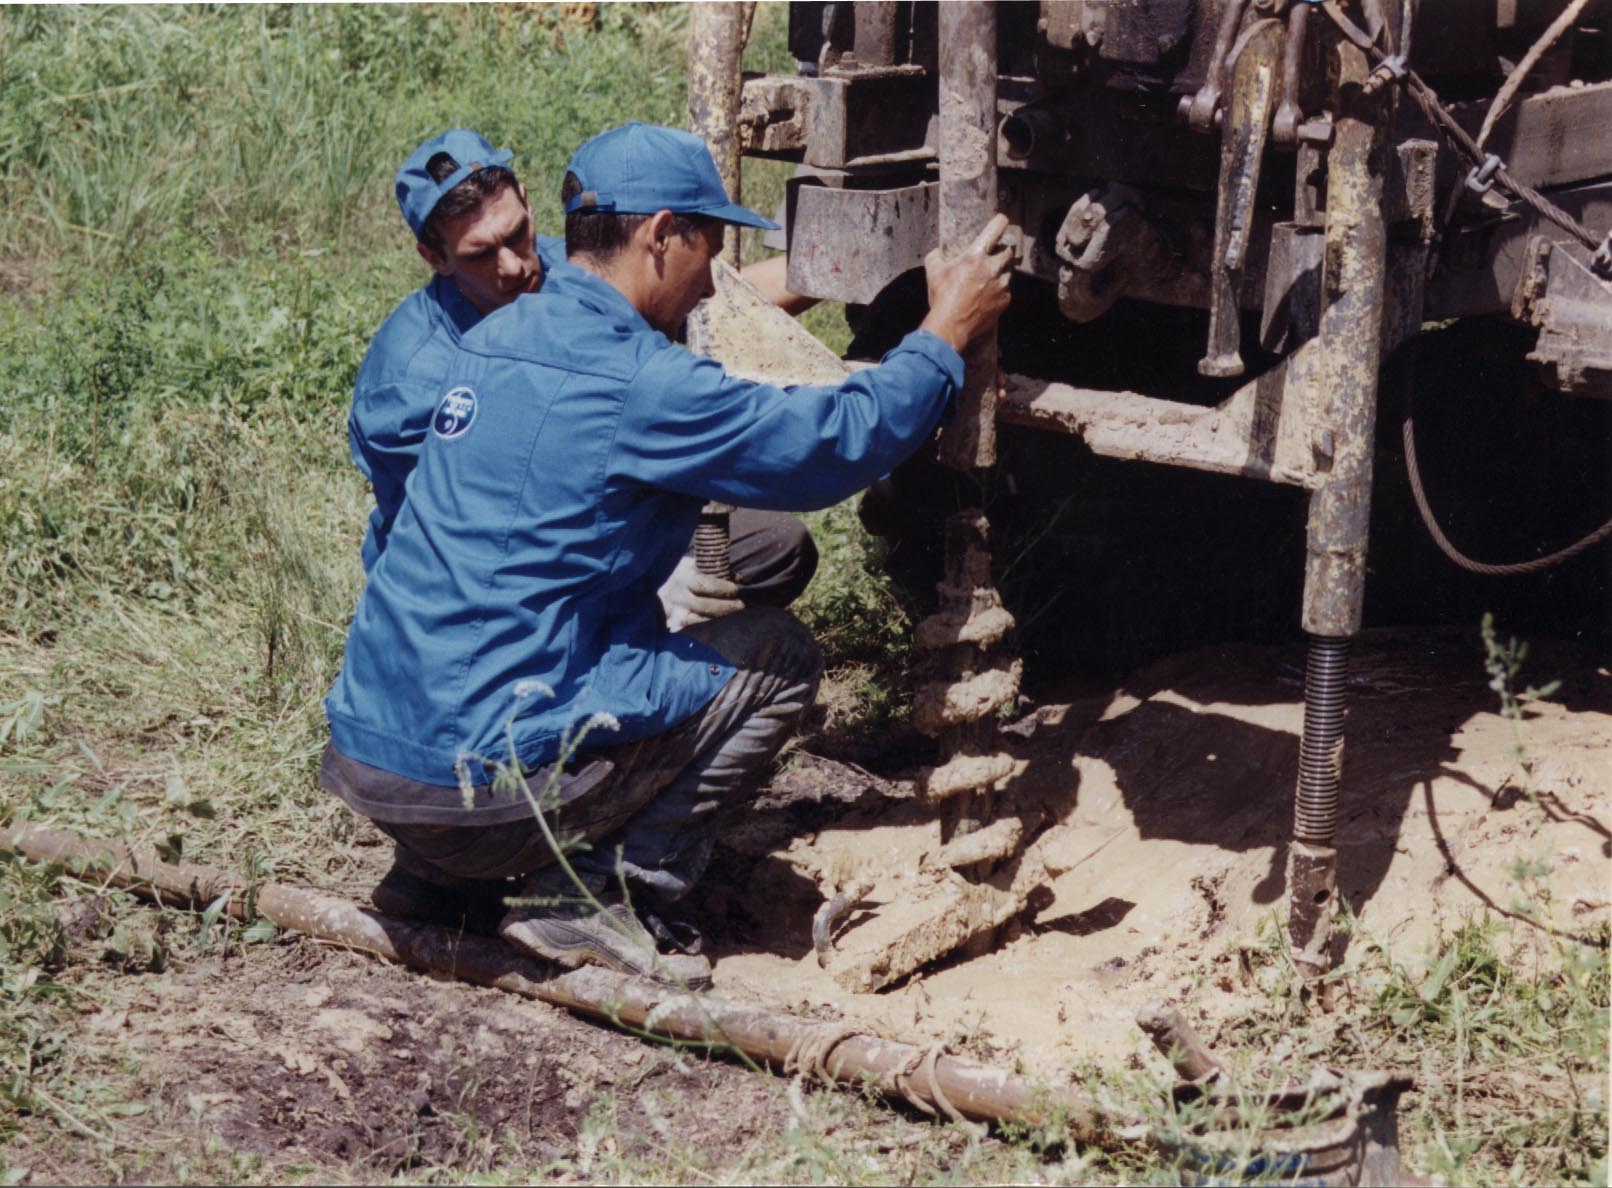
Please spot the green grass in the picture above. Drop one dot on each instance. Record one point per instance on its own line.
(200, 240)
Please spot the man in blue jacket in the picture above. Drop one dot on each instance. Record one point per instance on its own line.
(472, 224)
(512, 619)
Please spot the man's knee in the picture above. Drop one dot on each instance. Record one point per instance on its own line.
(773, 556)
(764, 639)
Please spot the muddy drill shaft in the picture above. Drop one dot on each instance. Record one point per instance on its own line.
(967, 201)
(972, 681)
(717, 35)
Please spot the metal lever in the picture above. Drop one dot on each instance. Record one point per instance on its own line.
(1199, 110)
(1242, 149)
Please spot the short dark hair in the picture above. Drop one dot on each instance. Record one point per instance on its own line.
(464, 198)
(601, 234)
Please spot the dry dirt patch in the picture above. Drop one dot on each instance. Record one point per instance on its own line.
(306, 1056)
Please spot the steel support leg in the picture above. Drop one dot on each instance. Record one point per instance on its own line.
(1345, 382)
(716, 36)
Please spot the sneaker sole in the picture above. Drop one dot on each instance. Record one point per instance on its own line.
(573, 948)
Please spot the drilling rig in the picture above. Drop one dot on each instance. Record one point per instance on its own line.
(1303, 187)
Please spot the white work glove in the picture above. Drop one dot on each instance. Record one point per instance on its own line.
(690, 596)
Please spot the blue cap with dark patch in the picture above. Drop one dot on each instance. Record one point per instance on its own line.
(418, 193)
(642, 168)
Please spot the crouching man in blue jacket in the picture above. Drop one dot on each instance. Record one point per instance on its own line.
(473, 225)
(512, 619)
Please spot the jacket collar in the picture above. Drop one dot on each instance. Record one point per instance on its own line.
(457, 311)
(595, 293)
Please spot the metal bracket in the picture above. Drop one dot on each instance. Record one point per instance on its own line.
(1391, 69)
(1558, 292)
(1199, 110)
(1105, 237)
(1601, 261)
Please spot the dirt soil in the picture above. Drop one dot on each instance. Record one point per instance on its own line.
(304, 1056)
(1170, 799)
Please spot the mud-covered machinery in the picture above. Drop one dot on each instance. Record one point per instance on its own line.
(1322, 179)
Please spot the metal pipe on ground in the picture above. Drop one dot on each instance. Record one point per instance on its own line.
(1344, 380)
(931, 1080)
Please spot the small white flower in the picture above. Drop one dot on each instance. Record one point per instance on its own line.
(531, 686)
(461, 771)
(601, 721)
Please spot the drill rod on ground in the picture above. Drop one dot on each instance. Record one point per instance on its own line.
(931, 1080)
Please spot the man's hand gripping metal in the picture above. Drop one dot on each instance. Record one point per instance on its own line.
(690, 597)
(969, 292)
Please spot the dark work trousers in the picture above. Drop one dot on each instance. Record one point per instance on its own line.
(656, 817)
(773, 556)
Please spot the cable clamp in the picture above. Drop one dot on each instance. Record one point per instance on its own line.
(1601, 261)
(1481, 179)
(1392, 68)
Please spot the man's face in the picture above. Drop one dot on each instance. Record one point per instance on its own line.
(489, 252)
(684, 277)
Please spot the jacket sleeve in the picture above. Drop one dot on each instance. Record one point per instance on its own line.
(688, 426)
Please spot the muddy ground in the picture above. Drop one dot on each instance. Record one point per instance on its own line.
(1170, 797)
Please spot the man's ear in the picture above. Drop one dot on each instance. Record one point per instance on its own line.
(662, 226)
(520, 190)
(436, 259)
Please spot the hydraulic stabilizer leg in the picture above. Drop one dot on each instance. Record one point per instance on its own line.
(1344, 381)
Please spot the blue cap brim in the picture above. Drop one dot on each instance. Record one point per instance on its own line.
(742, 215)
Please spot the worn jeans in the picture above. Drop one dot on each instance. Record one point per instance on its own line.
(656, 818)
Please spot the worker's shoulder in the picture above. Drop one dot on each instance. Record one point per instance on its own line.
(560, 331)
(417, 333)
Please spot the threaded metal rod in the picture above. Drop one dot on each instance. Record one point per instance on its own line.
(1315, 817)
(711, 542)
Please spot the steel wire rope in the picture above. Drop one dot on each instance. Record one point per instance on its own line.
(1432, 107)
(1508, 89)
(1513, 569)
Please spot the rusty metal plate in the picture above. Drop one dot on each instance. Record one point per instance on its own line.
(851, 121)
(847, 245)
(1573, 309)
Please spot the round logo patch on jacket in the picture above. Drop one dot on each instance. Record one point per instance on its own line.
(455, 413)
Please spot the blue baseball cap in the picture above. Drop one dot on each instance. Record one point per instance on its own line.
(642, 168)
(418, 193)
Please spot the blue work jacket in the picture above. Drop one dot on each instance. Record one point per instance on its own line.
(561, 479)
(400, 383)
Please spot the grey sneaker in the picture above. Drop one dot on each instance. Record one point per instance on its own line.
(575, 934)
